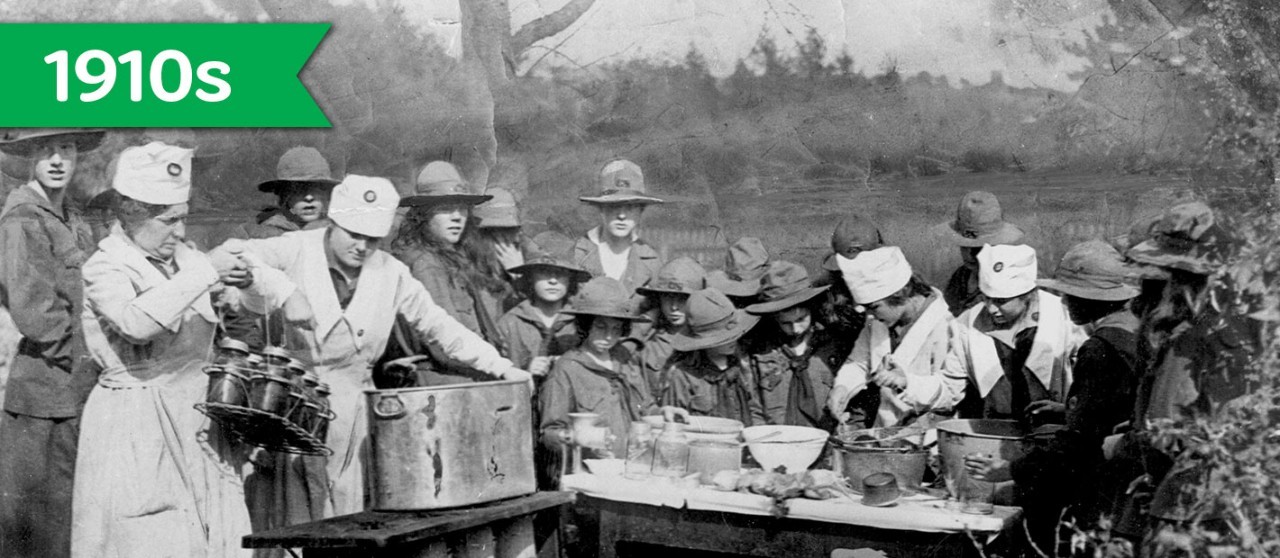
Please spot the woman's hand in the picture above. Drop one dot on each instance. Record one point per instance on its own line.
(890, 375)
(987, 467)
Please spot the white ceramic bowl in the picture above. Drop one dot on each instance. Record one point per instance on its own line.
(793, 447)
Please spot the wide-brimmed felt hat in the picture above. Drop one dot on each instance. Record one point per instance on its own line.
(851, 236)
(440, 183)
(744, 265)
(604, 297)
(682, 275)
(20, 141)
(500, 211)
(553, 250)
(620, 182)
(1094, 270)
(713, 321)
(1188, 238)
(300, 164)
(784, 286)
(979, 220)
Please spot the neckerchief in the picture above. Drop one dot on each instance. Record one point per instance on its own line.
(626, 390)
(801, 406)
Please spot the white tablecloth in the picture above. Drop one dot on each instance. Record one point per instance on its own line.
(912, 513)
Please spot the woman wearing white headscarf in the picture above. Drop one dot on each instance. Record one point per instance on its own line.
(903, 347)
(154, 476)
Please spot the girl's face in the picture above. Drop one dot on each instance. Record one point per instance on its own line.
(620, 220)
(604, 334)
(674, 307)
(549, 284)
(448, 222)
(794, 322)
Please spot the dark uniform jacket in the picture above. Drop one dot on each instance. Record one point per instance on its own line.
(962, 290)
(793, 388)
(524, 335)
(643, 261)
(462, 299)
(577, 384)
(1068, 468)
(693, 382)
(52, 373)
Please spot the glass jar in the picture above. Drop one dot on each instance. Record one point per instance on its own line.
(671, 451)
(232, 353)
(708, 457)
(639, 450)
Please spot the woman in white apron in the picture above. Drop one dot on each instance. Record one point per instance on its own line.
(357, 293)
(154, 477)
(903, 348)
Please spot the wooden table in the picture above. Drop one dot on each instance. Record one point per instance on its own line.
(519, 527)
(622, 524)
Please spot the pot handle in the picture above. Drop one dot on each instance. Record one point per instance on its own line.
(389, 406)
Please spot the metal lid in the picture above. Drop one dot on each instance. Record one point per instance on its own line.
(297, 365)
(323, 388)
(277, 352)
(255, 359)
(311, 379)
(230, 344)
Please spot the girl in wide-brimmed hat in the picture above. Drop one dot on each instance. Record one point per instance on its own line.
(744, 264)
(794, 361)
(497, 244)
(614, 248)
(709, 375)
(1097, 288)
(668, 296)
(901, 351)
(44, 244)
(979, 221)
(429, 243)
(302, 186)
(537, 330)
(600, 375)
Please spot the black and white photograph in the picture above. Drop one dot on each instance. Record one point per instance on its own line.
(679, 278)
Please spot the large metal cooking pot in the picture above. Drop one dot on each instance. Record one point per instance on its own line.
(448, 446)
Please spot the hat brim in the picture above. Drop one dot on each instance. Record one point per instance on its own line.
(606, 314)
(618, 199)
(86, 140)
(829, 263)
(684, 343)
(791, 300)
(720, 281)
(1008, 233)
(1150, 253)
(650, 291)
(1123, 292)
(499, 223)
(578, 274)
(466, 199)
(271, 186)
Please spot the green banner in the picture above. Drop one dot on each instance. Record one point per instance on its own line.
(186, 75)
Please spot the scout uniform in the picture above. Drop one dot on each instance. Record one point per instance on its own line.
(1205, 363)
(439, 183)
(979, 221)
(792, 383)
(1005, 368)
(579, 384)
(920, 349)
(680, 277)
(50, 375)
(620, 182)
(154, 476)
(523, 331)
(355, 317)
(696, 383)
(299, 166)
(1068, 469)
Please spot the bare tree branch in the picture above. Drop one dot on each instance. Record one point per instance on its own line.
(549, 25)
